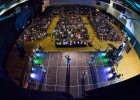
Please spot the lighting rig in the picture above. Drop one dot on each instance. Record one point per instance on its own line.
(37, 71)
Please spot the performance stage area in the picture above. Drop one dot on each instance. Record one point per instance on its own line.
(82, 75)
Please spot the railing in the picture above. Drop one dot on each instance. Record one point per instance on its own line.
(129, 4)
(7, 3)
(5, 6)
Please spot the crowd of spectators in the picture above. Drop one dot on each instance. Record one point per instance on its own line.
(37, 29)
(70, 26)
(104, 30)
(55, 10)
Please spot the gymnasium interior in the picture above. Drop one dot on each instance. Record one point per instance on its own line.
(69, 49)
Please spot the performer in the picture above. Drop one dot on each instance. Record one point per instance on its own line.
(92, 58)
(68, 60)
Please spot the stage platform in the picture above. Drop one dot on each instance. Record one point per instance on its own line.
(57, 74)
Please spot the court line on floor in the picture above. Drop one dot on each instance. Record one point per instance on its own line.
(96, 72)
(56, 70)
(48, 67)
(71, 85)
(77, 75)
(48, 54)
(87, 70)
(49, 59)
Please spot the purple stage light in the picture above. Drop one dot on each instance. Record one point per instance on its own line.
(33, 75)
(110, 75)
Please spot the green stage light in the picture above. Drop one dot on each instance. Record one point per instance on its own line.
(37, 61)
(105, 60)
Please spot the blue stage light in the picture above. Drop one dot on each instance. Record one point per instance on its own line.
(33, 75)
(103, 54)
(39, 54)
(34, 69)
(110, 75)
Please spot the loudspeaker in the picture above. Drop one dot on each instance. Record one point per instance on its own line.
(98, 3)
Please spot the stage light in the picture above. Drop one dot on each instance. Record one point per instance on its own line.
(110, 75)
(34, 69)
(33, 75)
(37, 61)
(108, 69)
(33, 50)
(103, 54)
(39, 54)
(105, 60)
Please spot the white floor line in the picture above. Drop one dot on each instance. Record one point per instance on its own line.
(87, 69)
(48, 68)
(56, 70)
(46, 72)
(77, 75)
(96, 73)
(71, 85)
(49, 60)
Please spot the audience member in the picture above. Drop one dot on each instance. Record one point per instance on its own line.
(104, 30)
(37, 29)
